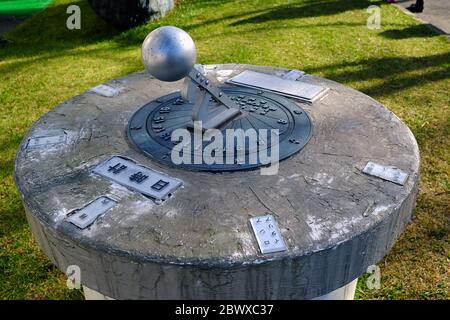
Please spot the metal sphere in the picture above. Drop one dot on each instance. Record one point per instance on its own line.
(168, 53)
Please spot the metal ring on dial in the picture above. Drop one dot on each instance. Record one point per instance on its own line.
(150, 128)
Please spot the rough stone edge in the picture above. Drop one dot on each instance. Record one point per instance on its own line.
(309, 276)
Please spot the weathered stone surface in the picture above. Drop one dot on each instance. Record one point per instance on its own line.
(336, 221)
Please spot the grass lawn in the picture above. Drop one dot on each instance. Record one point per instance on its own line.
(404, 65)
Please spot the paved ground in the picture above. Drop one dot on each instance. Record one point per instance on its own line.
(7, 23)
(436, 13)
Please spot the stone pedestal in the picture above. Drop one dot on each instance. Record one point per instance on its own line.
(335, 220)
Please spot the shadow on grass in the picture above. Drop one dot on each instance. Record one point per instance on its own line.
(45, 36)
(417, 31)
(47, 31)
(390, 70)
(306, 10)
(41, 37)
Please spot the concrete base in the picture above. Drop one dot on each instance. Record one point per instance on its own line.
(346, 292)
(90, 294)
(335, 220)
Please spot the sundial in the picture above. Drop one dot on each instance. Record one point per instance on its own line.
(290, 186)
(221, 108)
(150, 127)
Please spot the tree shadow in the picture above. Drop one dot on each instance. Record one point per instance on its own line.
(47, 31)
(417, 31)
(306, 10)
(255, 29)
(391, 70)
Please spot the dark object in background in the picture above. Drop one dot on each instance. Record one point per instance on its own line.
(125, 14)
(416, 7)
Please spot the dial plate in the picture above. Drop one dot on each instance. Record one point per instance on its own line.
(150, 130)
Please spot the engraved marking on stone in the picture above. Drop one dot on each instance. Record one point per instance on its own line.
(106, 90)
(158, 128)
(178, 102)
(117, 168)
(267, 234)
(138, 178)
(88, 214)
(164, 110)
(158, 119)
(36, 142)
(388, 173)
(165, 136)
(161, 184)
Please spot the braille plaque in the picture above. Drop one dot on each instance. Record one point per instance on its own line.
(106, 90)
(388, 173)
(46, 140)
(267, 234)
(293, 89)
(86, 216)
(138, 178)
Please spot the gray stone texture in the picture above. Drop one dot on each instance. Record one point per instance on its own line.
(336, 221)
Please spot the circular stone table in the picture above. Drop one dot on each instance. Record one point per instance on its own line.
(198, 244)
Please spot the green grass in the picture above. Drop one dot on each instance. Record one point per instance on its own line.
(404, 65)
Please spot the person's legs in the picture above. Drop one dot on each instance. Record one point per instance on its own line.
(417, 7)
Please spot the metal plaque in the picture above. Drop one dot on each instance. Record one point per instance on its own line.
(267, 234)
(293, 75)
(138, 178)
(106, 90)
(42, 141)
(86, 216)
(388, 173)
(293, 89)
